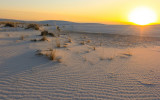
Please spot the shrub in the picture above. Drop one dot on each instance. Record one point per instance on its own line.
(33, 26)
(69, 40)
(82, 42)
(9, 25)
(44, 38)
(53, 55)
(45, 33)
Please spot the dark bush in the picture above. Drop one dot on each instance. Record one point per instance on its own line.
(45, 33)
(33, 26)
(9, 25)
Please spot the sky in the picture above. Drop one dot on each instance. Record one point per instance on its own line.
(96, 11)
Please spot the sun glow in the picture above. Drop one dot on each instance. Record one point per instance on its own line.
(142, 16)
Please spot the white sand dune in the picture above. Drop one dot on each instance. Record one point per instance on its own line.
(115, 70)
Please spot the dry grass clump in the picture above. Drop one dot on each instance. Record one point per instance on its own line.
(58, 29)
(82, 42)
(52, 55)
(45, 33)
(33, 26)
(88, 41)
(65, 46)
(69, 40)
(94, 48)
(9, 25)
(44, 38)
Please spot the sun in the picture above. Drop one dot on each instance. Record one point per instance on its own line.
(142, 16)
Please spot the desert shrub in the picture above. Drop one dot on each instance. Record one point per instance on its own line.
(82, 42)
(45, 33)
(69, 39)
(88, 41)
(33, 26)
(53, 55)
(9, 25)
(58, 28)
(44, 38)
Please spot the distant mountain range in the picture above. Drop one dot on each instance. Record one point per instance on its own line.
(51, 22)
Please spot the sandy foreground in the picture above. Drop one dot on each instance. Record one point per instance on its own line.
(90, 67)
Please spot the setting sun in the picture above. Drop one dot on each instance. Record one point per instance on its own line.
(142, 16)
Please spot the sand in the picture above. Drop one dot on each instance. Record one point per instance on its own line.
(106, 66)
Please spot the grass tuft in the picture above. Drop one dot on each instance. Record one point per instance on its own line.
(53, 55)
(33, 26)
(9, 25)
(82, 42)
(44, 38)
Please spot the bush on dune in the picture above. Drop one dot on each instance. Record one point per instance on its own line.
(9, 25)
(33, 26)
(45, 33)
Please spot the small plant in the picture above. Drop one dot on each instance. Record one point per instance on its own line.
(69, 40)
(65, 46)
(94, 48)
(53, 55)
(44, 33)
(9, 25)
(33, 26)
(44, 38)
(88, 41)
(51, 34)
(58, 28)
(82, 42)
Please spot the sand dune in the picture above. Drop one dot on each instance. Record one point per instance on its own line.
(120, 67)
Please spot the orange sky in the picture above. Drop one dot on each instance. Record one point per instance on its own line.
(101, 11)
